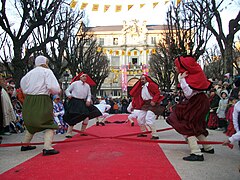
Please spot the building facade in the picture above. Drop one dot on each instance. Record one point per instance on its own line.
(129, 48)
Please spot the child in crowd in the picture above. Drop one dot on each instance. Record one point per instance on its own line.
(58, 111)
(221, 111)
(229, 116)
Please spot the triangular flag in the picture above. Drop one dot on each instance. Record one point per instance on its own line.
(123, 52)
(129, 53)
(154, 4)
(106, 7)
(95, 7)
(141, 5)
(178, 2)
(135, 53)
(147, 51)
(117, 53)
(83, 6)
(166, 1)
(110, 51)
(73, 3)
(130, 6)
(99, 49)
(118, 8)
(105, 51)
(141, 51)
(153, 51)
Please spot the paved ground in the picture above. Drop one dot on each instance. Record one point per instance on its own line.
(223, 165)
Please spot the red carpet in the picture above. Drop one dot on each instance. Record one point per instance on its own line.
(102, 158)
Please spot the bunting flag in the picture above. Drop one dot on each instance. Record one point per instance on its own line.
(166, 1)
(135, 53)
(95, 7)
(106, 7)
(123, 53)
(129, 53)
(83, 6)
(99, 49)
(141, 5)
(117, 53)
(130, 6)
(141, 51)
(147, 51)
(105, 51)
(178, 2)
(118, 8)
(110, 51)
(155, 4)
(73, 3)
(153, 51)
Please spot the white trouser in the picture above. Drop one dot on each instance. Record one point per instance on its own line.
(206, 147)
(193, 145)
(147, 118)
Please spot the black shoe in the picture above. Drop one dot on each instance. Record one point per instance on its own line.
(97, 123)
(209, 151)
(68, 136)
(49, 152)
(141, 135)
(194, 157)
(132, 124)
(154, 137)
(102, 123)
(83, 134)
(27, 148)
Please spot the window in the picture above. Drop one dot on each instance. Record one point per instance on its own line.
(101, 41)
(134, 60)
(153, 40)
(115, 41)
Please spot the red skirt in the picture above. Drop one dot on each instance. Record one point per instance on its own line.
(212, 121)
(188, 117)
(230, 129)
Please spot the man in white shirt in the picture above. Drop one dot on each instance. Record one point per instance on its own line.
(37, 85)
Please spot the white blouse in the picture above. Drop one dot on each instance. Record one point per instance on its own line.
(38, 81)
(79, 90)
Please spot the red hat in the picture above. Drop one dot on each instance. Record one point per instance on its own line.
(196, 78)
(88, 80)
(137, 86)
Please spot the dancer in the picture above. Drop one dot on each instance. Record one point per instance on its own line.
(38, 84)
(79, 105)
(188, 117)
(133, 115)
(103, 107)
(147, 98)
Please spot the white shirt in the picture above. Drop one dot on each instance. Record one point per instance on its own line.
(236, 136)
(145, 94)
(79, 90)
(40, 80)
(188, 92)
(103, 107)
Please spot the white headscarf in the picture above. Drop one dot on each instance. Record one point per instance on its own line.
(40, 60)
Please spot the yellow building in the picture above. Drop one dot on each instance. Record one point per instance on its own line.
(128, 48)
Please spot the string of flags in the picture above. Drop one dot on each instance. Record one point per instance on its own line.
(123, 53)
(119, 7)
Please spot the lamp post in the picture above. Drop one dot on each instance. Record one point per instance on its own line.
(66, 75)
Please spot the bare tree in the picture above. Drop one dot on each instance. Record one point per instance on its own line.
(213, 63)
(211, 11)
(32, 14)
(184, 35)
(82, 55)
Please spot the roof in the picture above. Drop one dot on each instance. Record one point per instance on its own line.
(120, 27)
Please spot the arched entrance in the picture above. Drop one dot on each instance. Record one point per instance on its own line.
(131, 83)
